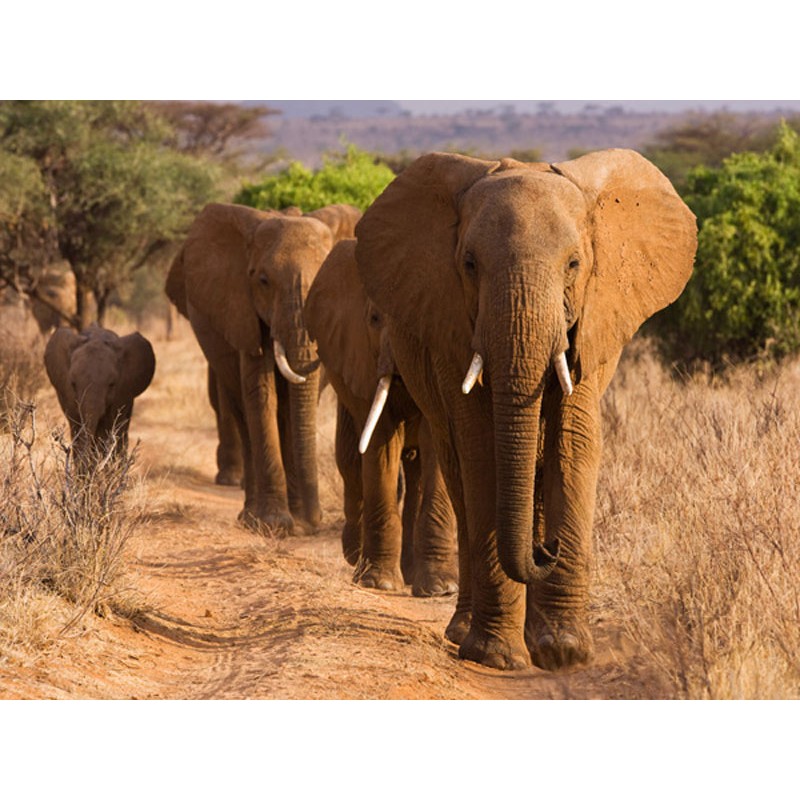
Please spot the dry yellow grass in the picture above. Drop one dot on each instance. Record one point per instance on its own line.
(698, 527)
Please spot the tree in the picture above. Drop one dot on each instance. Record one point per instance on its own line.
(351, 177)
(205, 128)
(116, 192)
(743, 299)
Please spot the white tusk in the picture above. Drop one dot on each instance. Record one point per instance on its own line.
(473, 373)
(562, 370)
(283, 364)
(381, 395)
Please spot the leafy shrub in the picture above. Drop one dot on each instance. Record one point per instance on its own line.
(351, 177)
(743, 300)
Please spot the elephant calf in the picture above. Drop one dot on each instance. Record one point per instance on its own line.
(97, 375)
(387, 551)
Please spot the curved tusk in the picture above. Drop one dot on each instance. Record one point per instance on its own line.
(283, 364)
(473, 374)
(381, 395)
(562, 370)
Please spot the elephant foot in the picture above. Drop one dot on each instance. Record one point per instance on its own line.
(458, 627)
(228, 478)
(435, 580)
(555, 647)
(351, 543)
(494, 651)
(268, 523)
(374, 577)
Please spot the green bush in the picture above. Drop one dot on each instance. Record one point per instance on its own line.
(743, 300)
(351, 177)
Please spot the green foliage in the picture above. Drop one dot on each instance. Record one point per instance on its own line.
(743, 300)
(114, 190)
(351, 177)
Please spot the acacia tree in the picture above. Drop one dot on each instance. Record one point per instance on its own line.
(116, 192)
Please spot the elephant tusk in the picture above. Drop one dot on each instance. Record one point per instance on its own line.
(473, 374)
(381, 395)
(283, 364)
(562, 370)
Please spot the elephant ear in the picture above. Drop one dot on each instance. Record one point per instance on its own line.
(644, 239)
(340, 218)
(214, 262)
(407, 243)
(137, 367)
(336, 316)
(57, 358)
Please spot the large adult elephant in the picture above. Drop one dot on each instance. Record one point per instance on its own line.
(511, 290)
(241, 277)
(386, 550)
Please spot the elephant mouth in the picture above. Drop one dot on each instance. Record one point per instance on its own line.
(475, 373)
(282, 362)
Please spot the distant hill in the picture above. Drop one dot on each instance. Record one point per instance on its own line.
(491, 132)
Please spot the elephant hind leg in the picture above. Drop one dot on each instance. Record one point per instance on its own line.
(230, 461)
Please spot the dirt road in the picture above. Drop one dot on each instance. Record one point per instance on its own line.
(223, 613)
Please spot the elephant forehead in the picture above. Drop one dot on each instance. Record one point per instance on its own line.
(298, 235)
(524, 206)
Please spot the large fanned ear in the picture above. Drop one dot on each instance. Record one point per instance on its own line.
(57, 357)
(340, 218)
(214, 260)
(138, 366)
(336, 317)
(644, 239)
(407, 242)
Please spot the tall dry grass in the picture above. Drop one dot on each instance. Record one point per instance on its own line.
(63, 534)
(698, 527)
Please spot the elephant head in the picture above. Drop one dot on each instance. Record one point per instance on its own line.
(520, 272)
(246, 270)
(97, 375)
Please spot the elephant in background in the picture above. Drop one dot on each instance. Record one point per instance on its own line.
(353, 347)
(241, 278)
(97, 375)
(510, 290)
(53, 302)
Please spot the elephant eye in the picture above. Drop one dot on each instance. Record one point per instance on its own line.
(263, 279)
(574, 263)
(374, 318)
(470, 264)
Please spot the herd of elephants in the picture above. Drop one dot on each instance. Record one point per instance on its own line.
(469, 322)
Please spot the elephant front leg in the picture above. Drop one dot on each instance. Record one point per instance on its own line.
(379, 567)
(265, 495)
(557, 626)
(497, 619)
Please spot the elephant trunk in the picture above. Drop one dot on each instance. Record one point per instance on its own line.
(301, 354)
(522, 349)
(303, 411)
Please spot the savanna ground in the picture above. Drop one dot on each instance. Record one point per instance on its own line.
(696, 585)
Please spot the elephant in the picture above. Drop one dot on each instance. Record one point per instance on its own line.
(53, 302)
(510, 290)
(96, 375)
(352, 345)
(241, 277)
